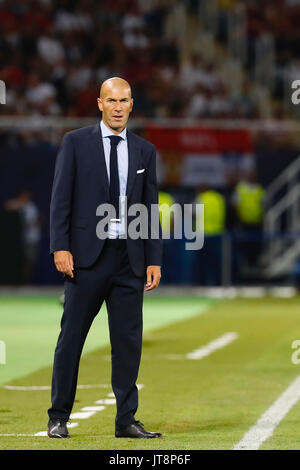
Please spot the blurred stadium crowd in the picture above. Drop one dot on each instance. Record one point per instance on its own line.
(222, 66)
(54, 54)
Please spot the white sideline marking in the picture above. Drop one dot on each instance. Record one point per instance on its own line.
(72, 425)
(25, 388)
(93, 408)
(82, 414)
(44, 433)
(106, 401)
(199, 353)
(85, 413)
(174, 357)
(85, 387)
(266, 424)
(17, 435)
(214, 345)
(48, 387)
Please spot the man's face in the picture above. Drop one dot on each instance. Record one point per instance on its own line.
(116, 104)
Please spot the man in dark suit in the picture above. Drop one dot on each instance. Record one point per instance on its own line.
(95, 165)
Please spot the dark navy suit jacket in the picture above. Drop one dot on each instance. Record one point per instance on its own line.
(81, 184)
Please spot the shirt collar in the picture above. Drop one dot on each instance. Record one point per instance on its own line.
(107, 132)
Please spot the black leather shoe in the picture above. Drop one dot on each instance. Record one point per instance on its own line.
(136, 430)
(57, 428)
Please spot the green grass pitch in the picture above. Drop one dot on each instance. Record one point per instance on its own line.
(197, 404)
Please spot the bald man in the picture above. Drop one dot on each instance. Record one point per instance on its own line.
(96, 165)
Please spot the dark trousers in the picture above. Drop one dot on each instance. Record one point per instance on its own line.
(111, 279)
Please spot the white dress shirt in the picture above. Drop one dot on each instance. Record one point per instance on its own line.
(117, 229)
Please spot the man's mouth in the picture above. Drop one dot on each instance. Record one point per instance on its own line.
(117, 117)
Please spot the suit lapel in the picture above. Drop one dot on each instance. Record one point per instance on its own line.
(99, 164)
(98, 157)
(134, 155)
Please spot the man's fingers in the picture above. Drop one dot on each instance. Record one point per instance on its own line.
(69, 272)
(149, 279)
(152, 284)
(58, 267)
(153, 277)
(71, 267)
(71, 262)
(66, 268)
(63, 268)
(149, 283)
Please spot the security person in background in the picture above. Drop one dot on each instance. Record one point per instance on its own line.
(210, 259)
(248, 200)
(166, 216)
(165, 201)
(249, 197)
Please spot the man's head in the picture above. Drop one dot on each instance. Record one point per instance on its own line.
(116, 103)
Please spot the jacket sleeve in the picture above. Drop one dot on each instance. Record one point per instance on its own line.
(153, 244)
(61, 198)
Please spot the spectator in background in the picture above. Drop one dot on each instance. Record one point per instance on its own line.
(248, 201)
(210, 260)
(204, 266)
(132, 20)
(68, 45)
(41, 96)
(31, 231)
(166, 215)
(50, 48)
(197, 104)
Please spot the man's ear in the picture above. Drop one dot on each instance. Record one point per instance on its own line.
(100, 106)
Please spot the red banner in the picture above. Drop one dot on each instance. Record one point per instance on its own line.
(194, 156)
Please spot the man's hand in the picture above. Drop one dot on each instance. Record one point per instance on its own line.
(64, 262)
(153, 277)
